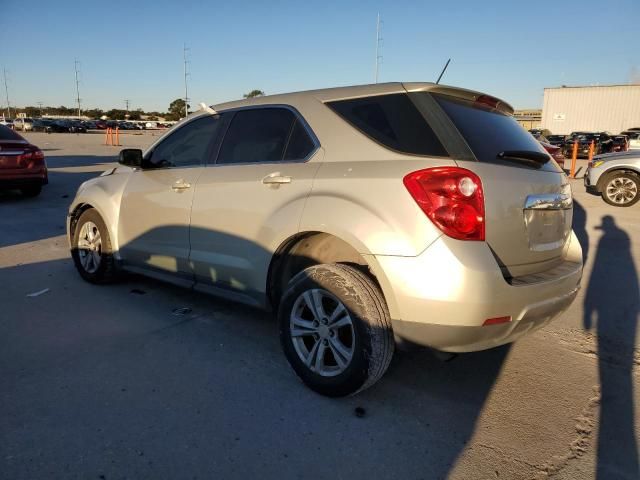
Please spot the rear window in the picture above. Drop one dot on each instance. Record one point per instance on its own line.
(7, 134)
(393, 121)
(486, 130)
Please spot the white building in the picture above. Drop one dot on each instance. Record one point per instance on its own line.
(608, 108)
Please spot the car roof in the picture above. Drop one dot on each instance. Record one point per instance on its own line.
(357, 91)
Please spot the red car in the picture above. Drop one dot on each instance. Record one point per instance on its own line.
(22, 165)
(555, 152)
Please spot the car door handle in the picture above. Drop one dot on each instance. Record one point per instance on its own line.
(276, 178)
(180, 185)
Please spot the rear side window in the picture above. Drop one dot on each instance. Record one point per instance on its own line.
(257, 135)
(300, 143)
(7, 134)
(393, 121)
(487, 131)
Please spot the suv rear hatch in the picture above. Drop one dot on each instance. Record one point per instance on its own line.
(528, 205)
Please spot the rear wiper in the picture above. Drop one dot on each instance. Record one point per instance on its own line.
(525, 156)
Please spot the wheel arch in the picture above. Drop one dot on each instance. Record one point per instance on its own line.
(612, 171)
(309, 248)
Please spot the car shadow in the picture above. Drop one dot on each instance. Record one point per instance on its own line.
(435, 406)
(44, 216)
(611, 308)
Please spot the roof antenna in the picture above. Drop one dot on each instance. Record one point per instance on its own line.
(443, 70)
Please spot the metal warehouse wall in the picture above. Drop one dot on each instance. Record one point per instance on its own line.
(608, 108)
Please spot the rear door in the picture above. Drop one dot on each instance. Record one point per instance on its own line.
(252, 198)
(528, 204)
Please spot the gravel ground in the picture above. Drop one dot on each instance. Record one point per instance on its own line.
(107, 382)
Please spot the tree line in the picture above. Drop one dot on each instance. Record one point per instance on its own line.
(176, 111)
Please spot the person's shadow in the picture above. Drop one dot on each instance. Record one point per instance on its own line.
(611, 306)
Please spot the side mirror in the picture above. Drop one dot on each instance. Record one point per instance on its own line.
(131, 157)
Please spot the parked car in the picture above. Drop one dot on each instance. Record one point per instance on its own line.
(616, 177)
(101, 125)
(151, 125)
(556, 140)
(634, 141)
(90, 124)
(76, 126)
(23, 124)
(351, 215)
(620, 143)
(540, 131)
(22, 165)
(7, 122)
(555, 152)
(42, 125)
(602, 143)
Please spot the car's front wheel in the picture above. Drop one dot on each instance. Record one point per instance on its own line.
(335, 329)
(92, 252)
(621, 189)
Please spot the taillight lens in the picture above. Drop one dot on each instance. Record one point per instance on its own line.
(452, 198)
(32, 157)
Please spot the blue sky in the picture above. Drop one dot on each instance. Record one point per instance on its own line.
(133, 49)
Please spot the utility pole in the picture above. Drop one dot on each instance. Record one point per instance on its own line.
(186, 74)
(6, 91)
(378, 55)
(126, 102)
(40, 107)
(76, 62)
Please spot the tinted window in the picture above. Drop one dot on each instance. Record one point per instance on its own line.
(486, 130)
(7, 134)
(257, 135)
(188, 145)
(393, 121)
(300, 144)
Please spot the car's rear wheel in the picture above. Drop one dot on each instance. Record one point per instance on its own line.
(92, 252)
(31, 190)
(621, 189)
(335, 329)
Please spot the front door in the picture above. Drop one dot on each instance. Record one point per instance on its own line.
(153, 228)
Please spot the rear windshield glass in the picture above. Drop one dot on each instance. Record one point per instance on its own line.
(393, 121)
(7, 134)
(487, 131)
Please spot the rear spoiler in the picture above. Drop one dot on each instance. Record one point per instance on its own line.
(471, 95)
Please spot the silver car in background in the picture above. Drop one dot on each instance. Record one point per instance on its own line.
(361, 215)
(616, 177)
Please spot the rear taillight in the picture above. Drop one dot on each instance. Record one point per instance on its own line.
(452, 198)
(32, 157)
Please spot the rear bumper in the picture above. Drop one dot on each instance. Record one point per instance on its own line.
(24, 179)
(444, 296)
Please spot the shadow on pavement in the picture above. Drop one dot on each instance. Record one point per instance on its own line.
(611, 306)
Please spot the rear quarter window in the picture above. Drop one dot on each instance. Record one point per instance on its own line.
(392, 121)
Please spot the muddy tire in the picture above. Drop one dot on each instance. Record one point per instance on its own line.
(335, 329)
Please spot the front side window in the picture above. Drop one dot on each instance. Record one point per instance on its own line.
(265, 135)
(188, 145)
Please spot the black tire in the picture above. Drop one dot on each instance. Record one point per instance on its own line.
(371, 337)
(31, 190)
(106, 272)
(624, 176)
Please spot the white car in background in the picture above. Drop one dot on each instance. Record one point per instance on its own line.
(634, 141)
